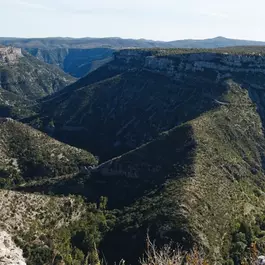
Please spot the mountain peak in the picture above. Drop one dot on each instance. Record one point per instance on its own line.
(220, 38)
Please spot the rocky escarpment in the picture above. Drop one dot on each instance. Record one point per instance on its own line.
(245, 66)
(9, 252)
(10, 55)
(28, 77)
(23, 79)
(177, 61)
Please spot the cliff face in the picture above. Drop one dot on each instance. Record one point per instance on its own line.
(173, 64)
(24, 78)
(246, 68)
(10, 55)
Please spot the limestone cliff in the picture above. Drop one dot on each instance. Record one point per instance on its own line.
(10, 55)
(173, 63)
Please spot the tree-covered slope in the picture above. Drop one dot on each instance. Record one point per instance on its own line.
(30, 78)
(186, 127)
(219, 186)
(122, 112)
(142, 93)
(50, 230)
(198, 182)
(44, 229)
(23, 79)
(27, 154)
(12, 105)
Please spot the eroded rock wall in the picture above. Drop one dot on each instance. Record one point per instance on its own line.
(10, 55)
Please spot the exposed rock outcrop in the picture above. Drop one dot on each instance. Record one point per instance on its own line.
(10, 254)
(23, 79)
(196, 61)
(10, 55)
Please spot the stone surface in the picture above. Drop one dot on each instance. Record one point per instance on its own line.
(10, 55)
(10, 254)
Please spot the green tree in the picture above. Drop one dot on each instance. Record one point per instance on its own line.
(103, 201)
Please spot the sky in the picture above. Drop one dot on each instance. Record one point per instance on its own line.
(150, 19)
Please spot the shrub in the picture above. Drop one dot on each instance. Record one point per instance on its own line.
(168, 255)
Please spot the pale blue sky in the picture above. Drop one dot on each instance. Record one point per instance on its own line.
(150, 19)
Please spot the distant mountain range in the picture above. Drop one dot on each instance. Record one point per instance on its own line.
(79, 57)
(119, 43)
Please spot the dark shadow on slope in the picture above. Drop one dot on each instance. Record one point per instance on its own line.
(123, 180)
(154, 198)
(119, 114)
(129, 242)
(140, 180)
(100, 74)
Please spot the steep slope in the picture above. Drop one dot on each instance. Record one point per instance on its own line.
(24, 79)
(121, 113)
(12, 105)
(142, 93)
(49, 230)
(27, 154)
(213, 175)
(27, 77)
(192, 121)
(42, 229)
(194, 183)
(76, 62)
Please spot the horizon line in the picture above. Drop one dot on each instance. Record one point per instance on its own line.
(131, 38)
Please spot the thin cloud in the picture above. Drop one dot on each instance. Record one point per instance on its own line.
(105, 11)
(214, 14)
(34, 5)
(93, 10)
